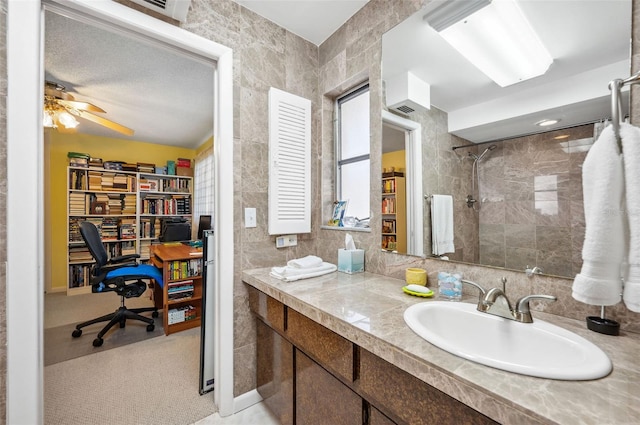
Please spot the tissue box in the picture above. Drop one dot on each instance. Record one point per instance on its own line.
(351, 261)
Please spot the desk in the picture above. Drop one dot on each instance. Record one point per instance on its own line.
(180, 298)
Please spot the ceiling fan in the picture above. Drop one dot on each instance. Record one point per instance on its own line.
(61, 108)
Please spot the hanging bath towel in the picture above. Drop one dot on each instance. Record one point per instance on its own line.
(630, 136)
(603, 252)
(442, 224)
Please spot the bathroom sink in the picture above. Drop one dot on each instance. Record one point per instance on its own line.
(536, 349)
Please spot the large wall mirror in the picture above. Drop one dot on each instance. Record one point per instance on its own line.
(516, 186)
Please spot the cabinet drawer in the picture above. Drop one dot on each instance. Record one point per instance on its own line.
(267, 308)
(326, 347)
(407, 399)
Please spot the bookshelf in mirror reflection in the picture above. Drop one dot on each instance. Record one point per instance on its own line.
(126, 207)
(394, 214)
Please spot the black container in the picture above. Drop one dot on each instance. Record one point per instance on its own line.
(603, 326)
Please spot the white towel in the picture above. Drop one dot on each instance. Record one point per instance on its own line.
(630, 136)
(307, 262)
(289, 274)
(599, 282)
(442, 224)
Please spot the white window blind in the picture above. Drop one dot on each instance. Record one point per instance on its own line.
(289, 163)
(203, 185)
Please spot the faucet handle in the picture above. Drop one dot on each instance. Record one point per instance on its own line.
(522, 312)
(480, 288)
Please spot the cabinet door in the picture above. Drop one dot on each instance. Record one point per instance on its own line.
(321, 398)
(275, 372)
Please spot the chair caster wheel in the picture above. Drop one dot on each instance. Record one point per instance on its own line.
(154, 314)
(76, 333)
(97, 342)
(150, 327)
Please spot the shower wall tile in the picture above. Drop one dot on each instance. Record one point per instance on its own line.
(520, 235)
(541, 183)
(519, 212)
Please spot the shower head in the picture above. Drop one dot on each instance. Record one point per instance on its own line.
(490, 148)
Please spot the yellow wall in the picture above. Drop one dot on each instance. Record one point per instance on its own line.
(394, 159)
(57, 147)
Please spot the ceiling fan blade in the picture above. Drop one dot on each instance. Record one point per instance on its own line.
(83, 106)
(105, 122)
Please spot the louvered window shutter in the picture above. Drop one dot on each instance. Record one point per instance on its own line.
(289, 163)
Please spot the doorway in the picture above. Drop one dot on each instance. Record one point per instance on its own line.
(409, 138)
(25, 195)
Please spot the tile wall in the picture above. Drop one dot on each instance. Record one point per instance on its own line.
(531, 211)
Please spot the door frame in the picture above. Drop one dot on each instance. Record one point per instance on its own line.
(25, 194)
(413, 163)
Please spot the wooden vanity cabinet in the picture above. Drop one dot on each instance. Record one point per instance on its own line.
(321, 398)
(308, 374)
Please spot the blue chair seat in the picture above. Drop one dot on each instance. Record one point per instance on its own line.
(143, 271)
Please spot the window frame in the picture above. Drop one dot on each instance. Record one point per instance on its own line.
(338, 160)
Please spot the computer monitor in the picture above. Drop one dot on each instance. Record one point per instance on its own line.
(175, 230)
(203, 224)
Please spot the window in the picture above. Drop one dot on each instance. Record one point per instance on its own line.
(203, 184)
(352, 151)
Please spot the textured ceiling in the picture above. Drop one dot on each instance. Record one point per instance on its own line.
(164, 95)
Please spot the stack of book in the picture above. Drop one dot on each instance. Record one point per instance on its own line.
(145, 250)
(180, 290)
(95, 180)
(114, 204)
(121, 183)
(113, 165)
(181, 314)
(128, 248)
(130, 167)
(183, 204)
(95, 162)
(77, 159)
(128, 228)
(145, 167)
(129, 204)
(77, 205)
(79, 254)
(110, 228)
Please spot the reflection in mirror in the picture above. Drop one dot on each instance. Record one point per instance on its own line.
(516, 186)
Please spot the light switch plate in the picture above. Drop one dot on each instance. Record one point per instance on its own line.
(249, 217)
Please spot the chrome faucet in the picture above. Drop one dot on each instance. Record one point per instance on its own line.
(495, 302)
(531, 271)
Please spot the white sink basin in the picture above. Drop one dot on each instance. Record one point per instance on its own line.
(535, 349)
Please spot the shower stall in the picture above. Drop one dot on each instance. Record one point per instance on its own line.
(472, 199)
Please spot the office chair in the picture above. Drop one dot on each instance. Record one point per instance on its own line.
(119, 274)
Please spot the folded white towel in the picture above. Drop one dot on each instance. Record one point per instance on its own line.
(599, 282)
(442, 224)
(305, 262)
(289, 274)
(630, 136)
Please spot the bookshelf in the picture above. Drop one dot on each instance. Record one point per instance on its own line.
(126, 207)
(394, 214)
(181, 295)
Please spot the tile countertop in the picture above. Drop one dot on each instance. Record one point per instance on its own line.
(367, 309)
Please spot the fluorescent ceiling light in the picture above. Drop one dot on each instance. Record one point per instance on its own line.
(496, 38)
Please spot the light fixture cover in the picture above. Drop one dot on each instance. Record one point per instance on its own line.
(500, 42)
(67, 120)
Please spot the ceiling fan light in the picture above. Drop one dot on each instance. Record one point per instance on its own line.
(47, 120)
(67, 120)
(500, 42)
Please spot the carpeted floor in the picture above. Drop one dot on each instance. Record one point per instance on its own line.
(60, 345)
(150, 382)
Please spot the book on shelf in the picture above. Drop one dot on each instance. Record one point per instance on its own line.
(181, 314)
